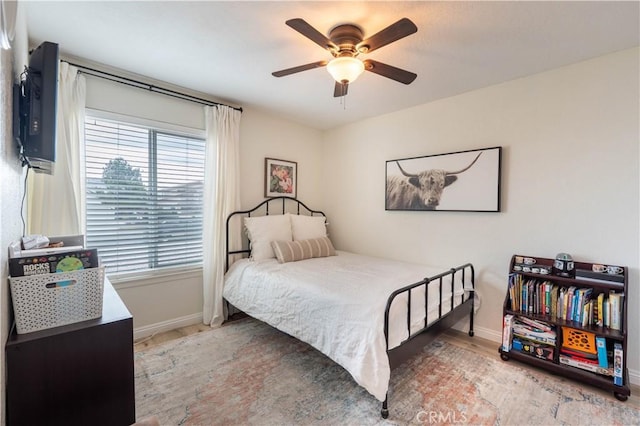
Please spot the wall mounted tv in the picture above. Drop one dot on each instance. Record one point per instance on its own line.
(35, 99)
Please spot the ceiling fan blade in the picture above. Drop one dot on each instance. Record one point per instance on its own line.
(340, 89)
(299, 68)
(303, 27)
(393, 32)
(389, 71)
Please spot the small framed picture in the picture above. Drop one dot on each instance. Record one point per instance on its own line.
(280, 178)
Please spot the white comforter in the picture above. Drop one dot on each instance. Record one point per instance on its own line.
(337, 304)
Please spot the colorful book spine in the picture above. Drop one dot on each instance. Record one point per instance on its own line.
(543, 351)
(554, 302)
(507, 327)
(570, 303)
(618, 364)
(535, 323)
(583, 364)
(600, 318)
(547, 297)
(601, 345)
(615, 302)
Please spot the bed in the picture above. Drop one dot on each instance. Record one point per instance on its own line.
(367, 314)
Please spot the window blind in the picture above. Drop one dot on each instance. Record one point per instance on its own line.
(144, 196)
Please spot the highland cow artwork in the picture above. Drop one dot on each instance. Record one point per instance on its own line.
(458, 181)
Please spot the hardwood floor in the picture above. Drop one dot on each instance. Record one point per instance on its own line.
(489, 348)
(152, 341)
(461, 339)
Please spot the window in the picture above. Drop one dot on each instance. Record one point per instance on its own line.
(144, 196)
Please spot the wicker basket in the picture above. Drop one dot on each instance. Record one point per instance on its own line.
(51, 300)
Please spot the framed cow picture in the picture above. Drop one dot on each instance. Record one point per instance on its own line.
(457, 181)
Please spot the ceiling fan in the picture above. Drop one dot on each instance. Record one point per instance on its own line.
(345, 43)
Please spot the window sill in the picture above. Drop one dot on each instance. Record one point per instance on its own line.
(153, 277)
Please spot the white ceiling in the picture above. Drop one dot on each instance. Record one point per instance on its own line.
(229, 49)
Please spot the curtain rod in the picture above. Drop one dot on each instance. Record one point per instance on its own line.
(141, 85)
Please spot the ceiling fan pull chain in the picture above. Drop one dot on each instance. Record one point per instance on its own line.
(343, 96)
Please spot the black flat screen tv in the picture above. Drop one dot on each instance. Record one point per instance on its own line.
(37, 93)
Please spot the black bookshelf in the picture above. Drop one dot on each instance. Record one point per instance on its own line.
(585, 278)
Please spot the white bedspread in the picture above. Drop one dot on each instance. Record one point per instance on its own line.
(337, 304)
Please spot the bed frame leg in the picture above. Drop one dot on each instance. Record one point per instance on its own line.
(385, 412)
(471, 318)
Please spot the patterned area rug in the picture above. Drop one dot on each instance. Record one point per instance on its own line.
(247, 373)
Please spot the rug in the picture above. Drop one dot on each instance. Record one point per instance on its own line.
(247, 373)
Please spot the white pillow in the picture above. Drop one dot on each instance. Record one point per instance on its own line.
(308, 227)
(264, 229)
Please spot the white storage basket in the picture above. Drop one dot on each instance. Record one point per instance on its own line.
(51, 300)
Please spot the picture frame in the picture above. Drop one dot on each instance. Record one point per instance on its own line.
(457, 181)
(280, 178)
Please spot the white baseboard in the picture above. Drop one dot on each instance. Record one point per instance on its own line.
(161, 327)
(489, 334)
(634, 377)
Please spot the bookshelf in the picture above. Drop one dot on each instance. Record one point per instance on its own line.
(574, 326)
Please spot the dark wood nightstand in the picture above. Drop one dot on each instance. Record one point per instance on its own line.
(77, 374)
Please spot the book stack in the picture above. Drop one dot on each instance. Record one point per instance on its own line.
(585, 350)
(535, 338)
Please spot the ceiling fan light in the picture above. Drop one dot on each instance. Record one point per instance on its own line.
(345, 69)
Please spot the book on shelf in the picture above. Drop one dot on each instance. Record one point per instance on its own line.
(536, 349)
(539, 331)
(615, 307)
(587, 313)
(582, 297)
(618, 364)
(591, 358)
(601, 346)
(554, 301)
(548, 287)
(584, 364)
(507, 329)
(540, 325)
(600, 310)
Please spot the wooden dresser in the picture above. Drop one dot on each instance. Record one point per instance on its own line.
(78, 374)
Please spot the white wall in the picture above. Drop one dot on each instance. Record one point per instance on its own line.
(168, 301)
(570, 179)
(267, 136)
(11, 179)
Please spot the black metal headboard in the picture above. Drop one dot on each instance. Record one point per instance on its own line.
(275, 205)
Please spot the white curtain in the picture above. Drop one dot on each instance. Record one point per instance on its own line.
(221, 197)
(56, 202)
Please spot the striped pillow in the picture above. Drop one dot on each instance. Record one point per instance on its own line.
(292, 251)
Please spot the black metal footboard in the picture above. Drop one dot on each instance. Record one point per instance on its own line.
(415, 341)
